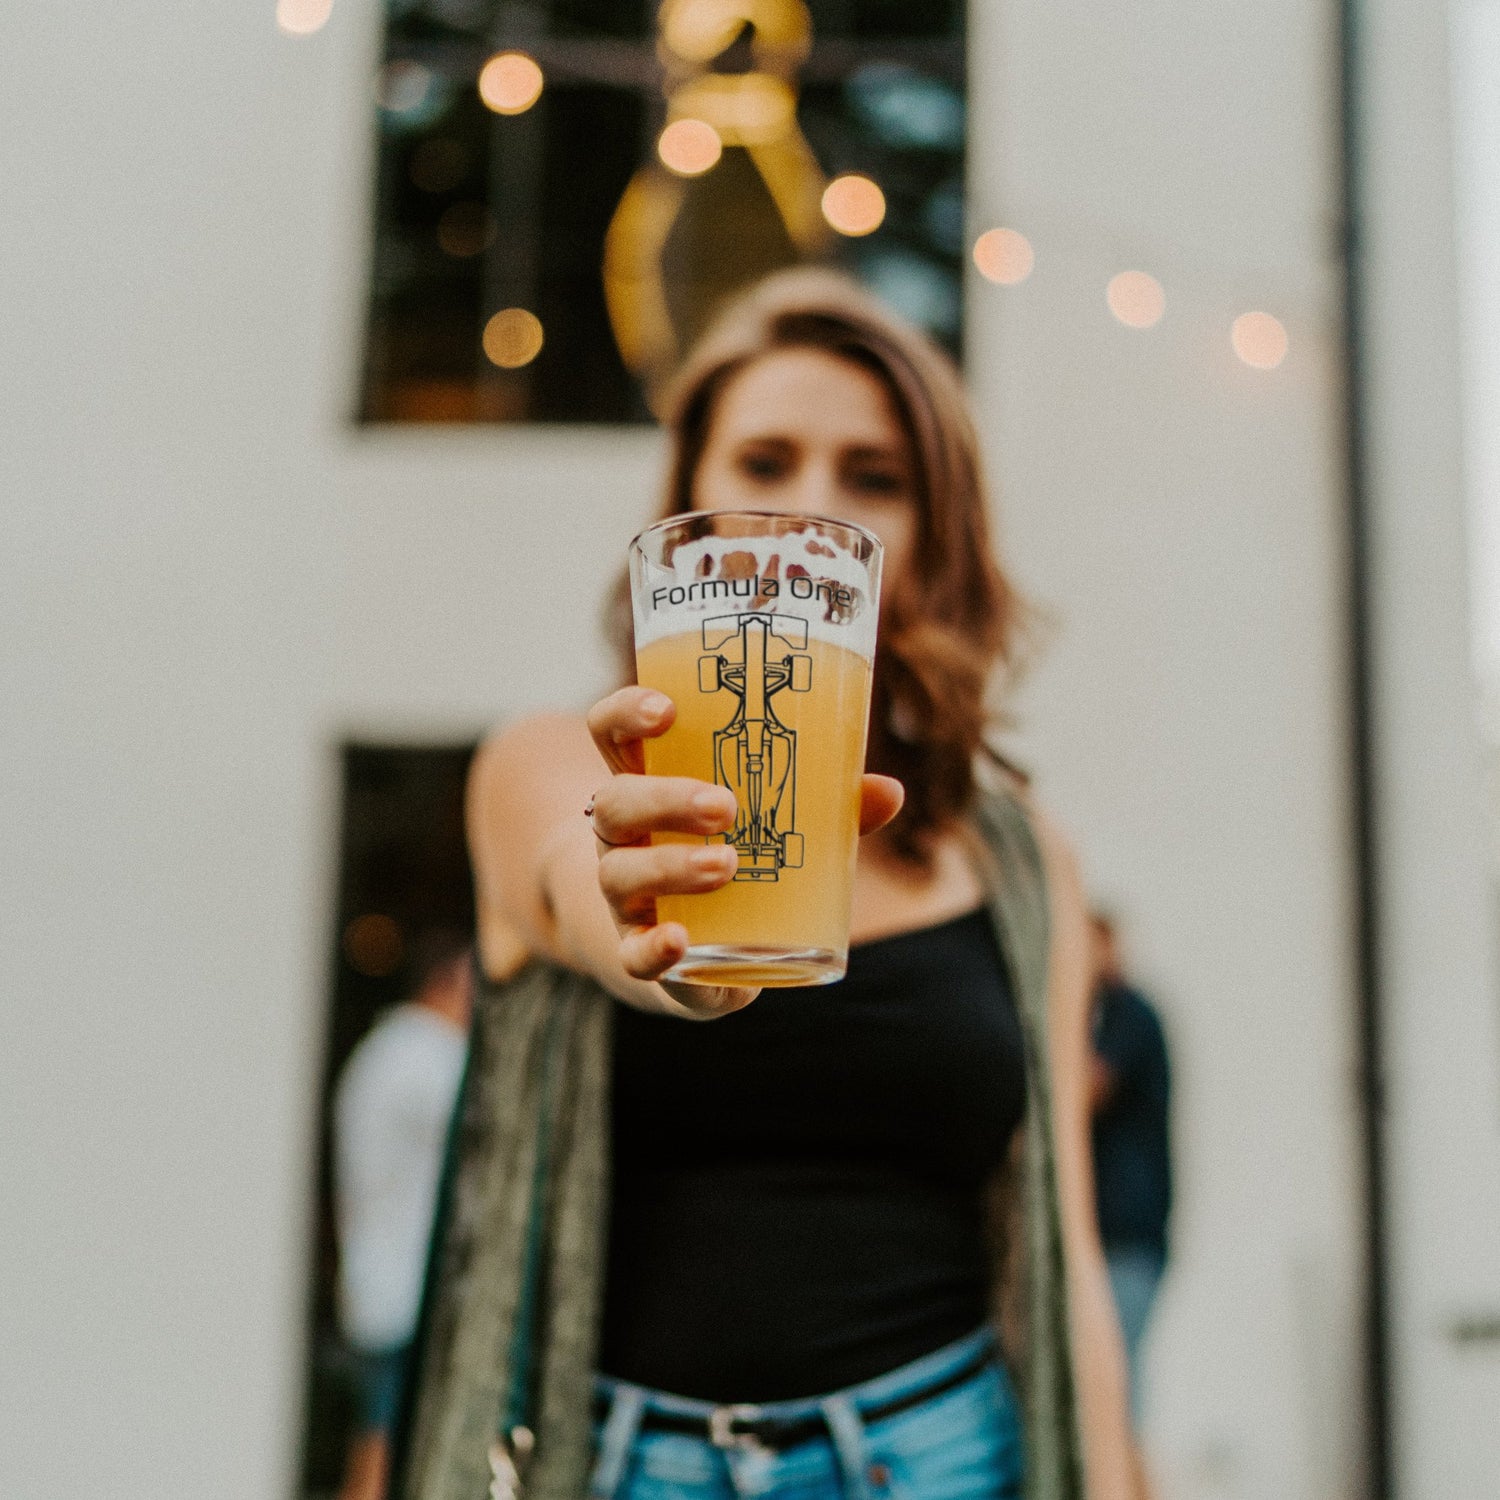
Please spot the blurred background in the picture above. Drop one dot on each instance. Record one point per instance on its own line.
(331, 336)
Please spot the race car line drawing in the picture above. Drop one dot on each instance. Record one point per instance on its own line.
(755, 754)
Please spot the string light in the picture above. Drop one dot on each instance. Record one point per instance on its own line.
(1004, 256)
(1259, 339)
(853, 204)
(689, 147)
(1136, 299)
(512, 338)
(302, 17)
(510, 83)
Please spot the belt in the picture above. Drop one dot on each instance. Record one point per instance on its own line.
(740, 1426)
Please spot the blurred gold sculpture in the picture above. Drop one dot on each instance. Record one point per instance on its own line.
(753, 115)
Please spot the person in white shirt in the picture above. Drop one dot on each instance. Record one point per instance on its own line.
(391, 1111)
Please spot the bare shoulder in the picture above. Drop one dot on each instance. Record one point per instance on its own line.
(525, 775)
(1060, 860)
(1055, 842)
(534, 744)
(529, 781)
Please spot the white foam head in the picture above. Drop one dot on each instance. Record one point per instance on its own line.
(707, 564)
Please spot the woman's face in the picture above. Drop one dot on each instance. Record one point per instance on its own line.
(803, 431)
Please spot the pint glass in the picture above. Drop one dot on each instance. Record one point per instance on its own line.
(760, 627)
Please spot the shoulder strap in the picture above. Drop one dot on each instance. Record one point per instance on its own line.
(509, 1318)
(515, 1439)
(1017, 898)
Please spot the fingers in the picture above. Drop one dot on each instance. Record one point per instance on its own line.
(648, 952)
(621, 721)
(632, 878)
(881, 798)
(630, 808)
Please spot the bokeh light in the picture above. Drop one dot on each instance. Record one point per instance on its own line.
(1136, 299)
(512, 338)
(853, 204)
(1259, 339)
(302, 17)
(907, 108)
(403, 86)
(689, 147)
(373, 945)
(466, 229)
(1004, 256)
(699, 30)
(510, 83)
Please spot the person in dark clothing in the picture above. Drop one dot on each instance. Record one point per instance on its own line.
(1132, 1153)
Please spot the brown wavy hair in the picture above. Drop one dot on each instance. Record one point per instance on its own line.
(955, 617)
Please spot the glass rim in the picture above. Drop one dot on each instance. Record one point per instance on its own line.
(681, 517)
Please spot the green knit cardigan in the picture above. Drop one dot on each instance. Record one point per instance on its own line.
(510, 1314)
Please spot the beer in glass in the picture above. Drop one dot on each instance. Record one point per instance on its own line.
(760, 627)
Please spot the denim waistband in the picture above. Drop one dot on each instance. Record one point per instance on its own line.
(840, 1410)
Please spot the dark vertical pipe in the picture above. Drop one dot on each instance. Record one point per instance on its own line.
(1380, 1478)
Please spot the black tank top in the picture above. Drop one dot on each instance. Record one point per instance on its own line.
(796, 1201)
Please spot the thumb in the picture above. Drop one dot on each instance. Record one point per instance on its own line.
(881, 798)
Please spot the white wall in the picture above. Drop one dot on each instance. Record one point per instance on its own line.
(166, 613)
(1474, 45)
(1180, 513)
(210, 579)
(1437, 901)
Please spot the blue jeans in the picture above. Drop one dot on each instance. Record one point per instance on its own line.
(1135, 1273)
(964, 1444)
(380, 1375)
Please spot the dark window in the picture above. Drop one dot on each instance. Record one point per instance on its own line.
(403, 883)
(489, 295)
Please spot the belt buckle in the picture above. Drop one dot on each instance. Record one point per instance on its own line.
(721, 1431)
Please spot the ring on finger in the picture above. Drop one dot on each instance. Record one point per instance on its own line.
(588, 812)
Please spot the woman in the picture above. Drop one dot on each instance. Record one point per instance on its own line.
(797, 1210)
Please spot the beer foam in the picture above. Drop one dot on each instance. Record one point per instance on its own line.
(802, 574)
